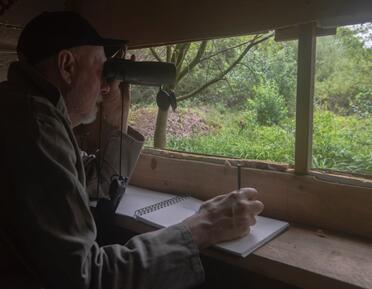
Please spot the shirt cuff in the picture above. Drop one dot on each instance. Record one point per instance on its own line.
(171, 257)
(194, 259)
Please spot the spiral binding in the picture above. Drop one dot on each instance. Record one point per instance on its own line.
(160, 205)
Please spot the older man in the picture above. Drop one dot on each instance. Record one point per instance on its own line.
(48, 233)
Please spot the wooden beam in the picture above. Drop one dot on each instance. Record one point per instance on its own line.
(292, 33)
(305, 95)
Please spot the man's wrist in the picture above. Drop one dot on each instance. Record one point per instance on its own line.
(198, 228)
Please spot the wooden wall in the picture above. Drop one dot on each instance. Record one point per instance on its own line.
(311, 199)
(8, 38)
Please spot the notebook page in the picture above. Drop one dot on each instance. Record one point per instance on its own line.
(136, 198)
(264, 230)
(166, 217)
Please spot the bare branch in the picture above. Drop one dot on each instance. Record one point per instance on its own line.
(169, 52)
(175, 53)
(224, 78)
(194, 62)
(226, 71)
(256, 38)
(155, 54)
(181, 54)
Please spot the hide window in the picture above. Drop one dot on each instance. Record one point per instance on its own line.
(236, 98)
(342, 128)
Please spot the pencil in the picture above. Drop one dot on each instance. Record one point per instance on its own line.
(239, 186)
(239, 176)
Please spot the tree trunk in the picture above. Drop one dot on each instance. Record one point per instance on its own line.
(160, 135)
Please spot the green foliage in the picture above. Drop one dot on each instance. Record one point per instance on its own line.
(361, 104)
(340, 143)
(268, 105)
(343, 73)
(242, 140)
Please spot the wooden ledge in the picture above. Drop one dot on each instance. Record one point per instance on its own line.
(302, 256)
(309, 258)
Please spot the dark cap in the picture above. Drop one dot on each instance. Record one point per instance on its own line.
(51, 32)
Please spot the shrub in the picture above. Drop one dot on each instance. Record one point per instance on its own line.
(268, 105)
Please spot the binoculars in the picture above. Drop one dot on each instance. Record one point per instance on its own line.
(140, 73)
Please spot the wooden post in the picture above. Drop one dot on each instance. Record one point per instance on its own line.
(305, 95)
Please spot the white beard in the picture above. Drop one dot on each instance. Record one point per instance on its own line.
(91, 117)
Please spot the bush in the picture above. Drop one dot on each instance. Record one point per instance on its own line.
(268, 105)
(362, 103)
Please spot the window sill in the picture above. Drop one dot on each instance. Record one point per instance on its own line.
(301, 256)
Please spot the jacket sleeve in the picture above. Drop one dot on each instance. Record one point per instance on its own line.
(106, 162)
(55, 231)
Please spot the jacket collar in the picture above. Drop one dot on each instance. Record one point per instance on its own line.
(26, 78)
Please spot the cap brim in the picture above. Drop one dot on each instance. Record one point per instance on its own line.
(111, 46)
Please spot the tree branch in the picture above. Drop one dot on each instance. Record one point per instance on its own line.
(175, 53)
(255, 38)
(224, 78)
(181, 55)
(226, 71)
(194, 62)
(169, 53)
(155, 54)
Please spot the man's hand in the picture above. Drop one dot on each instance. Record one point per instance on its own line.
(225, 217)
(112, 104)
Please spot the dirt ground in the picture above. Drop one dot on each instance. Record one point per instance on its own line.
(181, 123)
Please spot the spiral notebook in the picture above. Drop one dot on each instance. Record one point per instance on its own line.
(175, 209)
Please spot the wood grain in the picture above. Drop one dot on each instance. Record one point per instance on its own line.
(307, 199)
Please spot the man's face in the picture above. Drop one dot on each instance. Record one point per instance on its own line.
(87, 85)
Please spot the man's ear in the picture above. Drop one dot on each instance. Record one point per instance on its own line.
(66, 65)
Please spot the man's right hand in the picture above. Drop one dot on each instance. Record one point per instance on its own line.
(225, 217)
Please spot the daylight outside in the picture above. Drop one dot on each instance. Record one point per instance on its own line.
(236, 97)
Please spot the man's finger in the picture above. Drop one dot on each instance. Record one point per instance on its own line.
(248, 194)
(247, 220)
(255, 207)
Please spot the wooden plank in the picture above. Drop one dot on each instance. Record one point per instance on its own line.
(9, 37)
(303, 199)
(6, 57)
(292, 33)
(232, 162)
(151, 23)
(305, 96)
(301, 256)
(308, 259)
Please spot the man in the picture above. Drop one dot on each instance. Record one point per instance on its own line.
(47, 230)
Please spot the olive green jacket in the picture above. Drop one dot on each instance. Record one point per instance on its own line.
(47, 231)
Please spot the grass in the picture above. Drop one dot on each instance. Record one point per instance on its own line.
(340, 143)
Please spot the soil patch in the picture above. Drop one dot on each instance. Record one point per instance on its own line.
(181, 124)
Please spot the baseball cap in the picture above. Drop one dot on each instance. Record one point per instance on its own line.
(51, 32)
